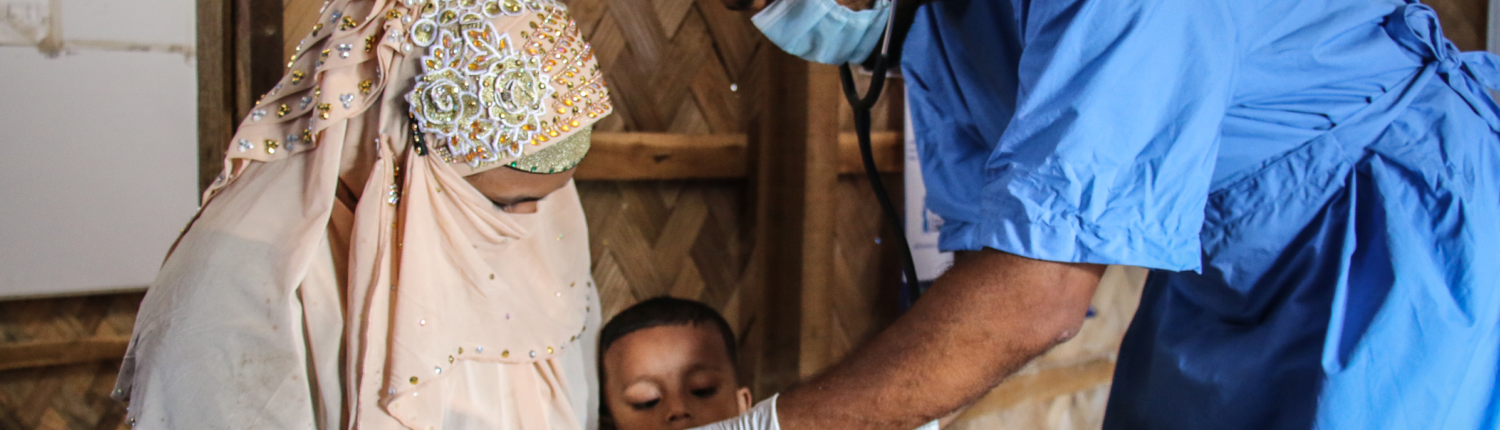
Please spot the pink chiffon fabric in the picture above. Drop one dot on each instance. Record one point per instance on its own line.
(341, 279)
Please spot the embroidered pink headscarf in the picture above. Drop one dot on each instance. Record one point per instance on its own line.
(343, 274)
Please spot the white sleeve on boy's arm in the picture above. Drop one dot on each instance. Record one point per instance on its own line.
(763, 417)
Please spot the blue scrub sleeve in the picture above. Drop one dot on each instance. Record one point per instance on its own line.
(1109, 155)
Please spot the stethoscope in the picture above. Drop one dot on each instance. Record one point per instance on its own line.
(862, 106)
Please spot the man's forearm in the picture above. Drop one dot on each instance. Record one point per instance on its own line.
(979, 323)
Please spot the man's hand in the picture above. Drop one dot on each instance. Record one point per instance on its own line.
(984, 319)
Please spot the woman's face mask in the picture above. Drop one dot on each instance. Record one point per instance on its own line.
(822, 30)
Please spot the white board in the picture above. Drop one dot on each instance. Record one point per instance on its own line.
(98, 127)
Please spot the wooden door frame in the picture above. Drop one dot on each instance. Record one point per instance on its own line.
(232, 35)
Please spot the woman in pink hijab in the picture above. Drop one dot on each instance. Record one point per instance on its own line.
(395, 241)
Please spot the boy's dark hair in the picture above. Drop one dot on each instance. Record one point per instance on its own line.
(666, 311)
(658, 312)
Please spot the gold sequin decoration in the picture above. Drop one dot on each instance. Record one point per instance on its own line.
(505, 354)
(484, 96)
(282, 110)
(271, 146)
(365, 86)
(413, 380)
(423, 33)
(348, 23)
(559, 157)
(297, 76)
(323, 109)
(369, 43)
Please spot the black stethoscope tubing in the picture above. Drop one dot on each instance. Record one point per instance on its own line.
(861, 106)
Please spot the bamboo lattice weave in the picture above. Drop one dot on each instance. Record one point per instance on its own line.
(69, 396)
(673, 65)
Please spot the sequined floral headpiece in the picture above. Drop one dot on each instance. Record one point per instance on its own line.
(505, 82)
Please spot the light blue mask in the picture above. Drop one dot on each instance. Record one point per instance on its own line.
(823, 31)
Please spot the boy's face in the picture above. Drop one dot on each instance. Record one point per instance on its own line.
(671, 377)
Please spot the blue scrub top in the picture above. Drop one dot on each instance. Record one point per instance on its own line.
(1316, 184)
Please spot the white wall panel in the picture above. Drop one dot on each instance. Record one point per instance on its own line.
(98, 161)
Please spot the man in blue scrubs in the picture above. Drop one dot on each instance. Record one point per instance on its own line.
(1315, 184)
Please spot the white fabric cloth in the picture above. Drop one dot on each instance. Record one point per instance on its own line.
(760, 417)
(763, 417)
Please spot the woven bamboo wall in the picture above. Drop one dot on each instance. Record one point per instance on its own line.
(686, 67)
(70, 396)
(673, 65)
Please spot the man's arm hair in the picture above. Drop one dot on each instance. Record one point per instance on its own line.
(981, 321)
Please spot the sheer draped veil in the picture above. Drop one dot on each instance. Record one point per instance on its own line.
(343, 274)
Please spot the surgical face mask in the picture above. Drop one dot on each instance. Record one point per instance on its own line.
(823, 31)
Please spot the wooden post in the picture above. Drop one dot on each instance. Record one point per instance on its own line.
(781, 139)
(821, 167)
(796, 170)
(239, 58)
(216, 96)
(259, 62)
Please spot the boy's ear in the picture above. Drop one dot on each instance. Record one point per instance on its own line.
(743, 395)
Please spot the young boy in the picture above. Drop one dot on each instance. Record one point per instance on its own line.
(668, 363)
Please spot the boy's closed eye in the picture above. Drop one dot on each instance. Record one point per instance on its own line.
(671, 378)
(642, 395)
(646, 405)
(706, 392)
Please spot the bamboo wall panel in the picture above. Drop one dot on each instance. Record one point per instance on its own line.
(71, 396)
(866, 271)
(672, 65)
(673, 238)
(678, 68)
